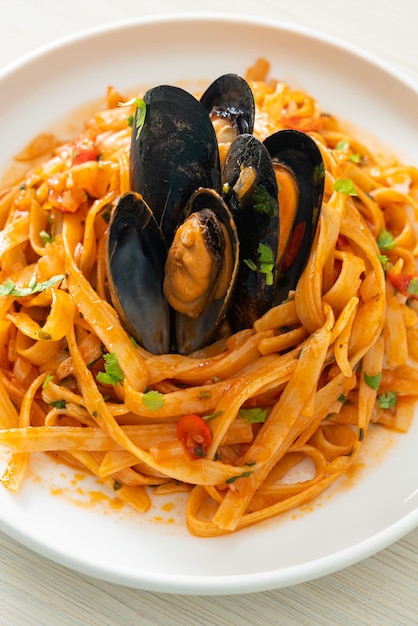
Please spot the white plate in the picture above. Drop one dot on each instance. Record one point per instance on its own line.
(355, 519)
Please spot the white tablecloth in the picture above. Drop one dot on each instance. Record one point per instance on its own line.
(382, 590)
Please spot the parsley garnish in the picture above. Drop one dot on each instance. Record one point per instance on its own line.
(141, 109)
(354, 158)
(58, 404)
(373, 381)
(386, 241)
(345, 185)
(266, 262)
(153, 400)
(253, 416)
(113, 373)
(383, 259)
(263, 201)
(47, 380)
(205, 394)
(46, 237)
(412, 288)
(361, 434)
(117, 485)
(9, 288)
(234, 478)
(387, 400)
(342, 145)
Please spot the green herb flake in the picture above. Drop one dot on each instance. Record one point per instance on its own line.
(205, 394)
(355, 157)
(9, 288)
(412, 288)
(386, 241)
(383, 259)
(342, 145)
(345, 185)
(46, 237)
(141, 109)
(373, 381)
(216, 379)
(47, 380)
(134, 342)
(117, 485)
(387, 400)
(361, 434)
(107, 211)
(113, 373)
(212, 416)
(58, 404)
(153, 400)
(231, 480)
(130, 120)
(249, 263)
(253, 416)
(342, 398)
(264, 202)
(266, 261)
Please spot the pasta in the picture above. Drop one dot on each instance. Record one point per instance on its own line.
(229, 423)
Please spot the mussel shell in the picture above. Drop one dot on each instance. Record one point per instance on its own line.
(298, 152)
(175, 153)
(193, 334)
(230, 96)
(136, 252)
(257, 221)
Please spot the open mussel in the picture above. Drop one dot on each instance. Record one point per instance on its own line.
(174, 153)
(136, 253)
(250, 190)
(176, 181)
(202, 238)
(300, 174)
(230, 100)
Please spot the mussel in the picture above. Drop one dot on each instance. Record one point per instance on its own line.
(202, 239)
(300, 173)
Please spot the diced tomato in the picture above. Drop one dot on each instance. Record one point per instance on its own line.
(194, 434)
(401, 282)
(84, 150)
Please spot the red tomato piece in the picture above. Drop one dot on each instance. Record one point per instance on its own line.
(194, 434)
(401, 283)
(84, 150)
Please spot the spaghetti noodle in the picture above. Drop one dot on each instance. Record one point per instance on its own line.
(230, 422)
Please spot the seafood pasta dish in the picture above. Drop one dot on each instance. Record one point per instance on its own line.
(213, 293)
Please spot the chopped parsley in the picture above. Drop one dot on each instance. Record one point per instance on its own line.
(383, 259)
(387, 400)
(9, 288)
(355, 157)
(412, 288)
(342, 145)
(47, 380)
(373, 381)
(345, 185)
(113, 373)
(153, 400)
(266, 262)
(58, 404)
(234, 478)
(386, 241)
(263, 201)
(253, 416)
(205, 394)
(46, 237)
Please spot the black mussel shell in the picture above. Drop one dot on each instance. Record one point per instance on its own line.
(250, 191)
(298, 152)
(174, 153)
(231, 97)
(135, 256)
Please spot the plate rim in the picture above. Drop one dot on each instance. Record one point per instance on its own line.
(236, 583)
